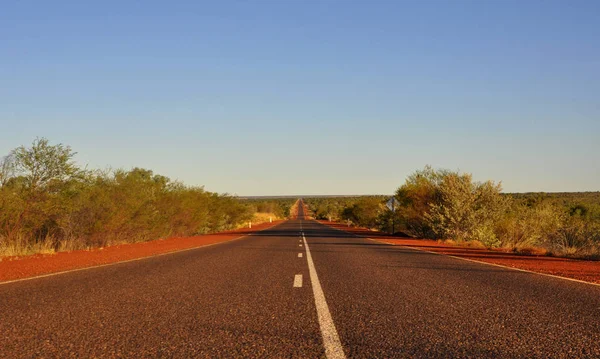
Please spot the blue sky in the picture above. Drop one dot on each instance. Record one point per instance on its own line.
(310, 97)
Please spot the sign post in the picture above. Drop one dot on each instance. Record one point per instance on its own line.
(392, 203)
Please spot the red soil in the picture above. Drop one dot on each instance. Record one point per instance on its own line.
(13, 268)
(588, 271)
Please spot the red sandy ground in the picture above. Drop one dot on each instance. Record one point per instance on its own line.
(588, 271)
(30, 266)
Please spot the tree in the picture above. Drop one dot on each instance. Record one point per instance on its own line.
(37, 173)
(365, 212)
(43, 164)
(7, 169)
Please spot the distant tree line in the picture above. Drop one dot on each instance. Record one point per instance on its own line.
(448, 205)
(277, 207)
(48, 203)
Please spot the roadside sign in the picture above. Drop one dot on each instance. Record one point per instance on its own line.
(392, 204)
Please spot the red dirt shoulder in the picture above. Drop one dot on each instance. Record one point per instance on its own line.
(13, 268)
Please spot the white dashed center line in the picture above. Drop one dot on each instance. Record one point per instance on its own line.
(331, 340)
(298, 281)
(299, 255)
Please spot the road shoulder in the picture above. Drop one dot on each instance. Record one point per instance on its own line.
(580, 270)
(37, 265)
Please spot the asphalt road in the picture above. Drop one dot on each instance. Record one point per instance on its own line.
(355, 298)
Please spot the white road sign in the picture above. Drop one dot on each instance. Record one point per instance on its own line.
(392, 204)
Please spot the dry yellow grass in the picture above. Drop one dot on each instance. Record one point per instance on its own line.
(19, 247)
(263, 217)
(259, 218)
(469, 244)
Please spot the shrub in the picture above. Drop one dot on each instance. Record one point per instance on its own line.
(365, 212)
(529, 226)
(48, 203)
(450, 205)
(576, 237)
(416, 196)
(464, 210)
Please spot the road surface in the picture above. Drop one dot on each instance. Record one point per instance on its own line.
(275, 294)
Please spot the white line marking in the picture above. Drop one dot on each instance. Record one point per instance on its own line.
(130, 260)
(299, 255)
(300, 245)
(298, 281)
(331, 340)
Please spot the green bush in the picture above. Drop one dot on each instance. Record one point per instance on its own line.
(464, 210)
(365, 212)
(449, 205)
(46, 199)
(526, 226)
(415, 198)
(280, 207)
(577, 237)
(325, 207)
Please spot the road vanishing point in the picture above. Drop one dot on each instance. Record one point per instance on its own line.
(300, 289)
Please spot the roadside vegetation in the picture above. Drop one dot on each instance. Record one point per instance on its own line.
(360, 210)
(265, 210)
(450, 206)
(48, 203)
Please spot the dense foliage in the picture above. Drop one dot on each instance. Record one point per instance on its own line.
(48, 203)
(277, 208)
(361, 210)
(441, 204)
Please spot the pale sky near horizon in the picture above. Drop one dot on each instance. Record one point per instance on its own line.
(310, 97)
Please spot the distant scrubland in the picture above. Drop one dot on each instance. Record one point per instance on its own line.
(448, 205)
(48, 203)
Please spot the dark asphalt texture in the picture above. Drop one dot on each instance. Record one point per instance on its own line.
(236, 299)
